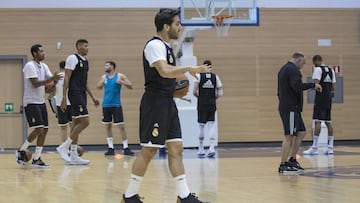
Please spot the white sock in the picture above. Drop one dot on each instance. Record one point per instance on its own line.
(73, 150)
(67, 143)
(25, 145)
(181, 186)
(201, 136)
(125, 144)
(38, 151)
(134, 185)
(110, 142)
(331, 141)
(315, 140)
(212, 135)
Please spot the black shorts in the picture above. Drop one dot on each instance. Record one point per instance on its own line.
(321, 113)
(78, 104)
(36, 115)
(113, 114)
(159, 120)
(64, 118)
(292, 123)
(205, 116)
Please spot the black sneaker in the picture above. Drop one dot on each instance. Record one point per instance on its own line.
(133, 199)
(128, 152)
(295, 164)
(285, 168)
(20, 157)
(39, 164)
(110, 152)
(190, 199)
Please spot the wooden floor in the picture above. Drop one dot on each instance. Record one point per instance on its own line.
(236, 175)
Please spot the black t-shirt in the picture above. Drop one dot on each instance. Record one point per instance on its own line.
(290, 88)
(324, 98)
(78, 79)
(153, 80)
(207, 88)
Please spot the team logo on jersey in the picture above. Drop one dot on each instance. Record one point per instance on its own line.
(81, 65)
(208, 84)
(33, 120)
(81, 108)
(171, 60)
(155, 131)
(327, 79)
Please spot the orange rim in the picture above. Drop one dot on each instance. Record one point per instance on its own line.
(219, 19)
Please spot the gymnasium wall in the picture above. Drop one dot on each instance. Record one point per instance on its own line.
(247, 62)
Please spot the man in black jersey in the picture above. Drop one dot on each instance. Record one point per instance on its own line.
(207, 88)
(159, 121)
(75, 88)
(325, 76)
(290, 94)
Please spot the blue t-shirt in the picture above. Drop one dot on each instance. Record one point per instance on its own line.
(112, 91)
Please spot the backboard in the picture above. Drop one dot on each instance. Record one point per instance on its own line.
(202, 12)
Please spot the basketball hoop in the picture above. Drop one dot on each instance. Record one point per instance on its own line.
(222, 24)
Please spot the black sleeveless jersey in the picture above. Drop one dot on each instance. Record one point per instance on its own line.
(324, 98)
(207, 88)
(78, 79)
(153, 81)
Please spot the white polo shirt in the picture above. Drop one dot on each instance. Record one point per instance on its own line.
(33, 95)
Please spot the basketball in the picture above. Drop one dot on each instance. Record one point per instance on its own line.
(28, 155)
(80, 150)
(49, 87)
(181, 86)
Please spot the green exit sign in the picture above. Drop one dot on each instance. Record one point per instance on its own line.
(9, 107)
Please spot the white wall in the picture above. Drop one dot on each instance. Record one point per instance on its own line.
(169, 3)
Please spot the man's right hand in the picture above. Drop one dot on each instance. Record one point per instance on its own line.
(63, 104)
(318, 87)
(199, 69)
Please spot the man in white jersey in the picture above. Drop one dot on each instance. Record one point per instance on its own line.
(36, 75)
(64, 117)
(75, 88)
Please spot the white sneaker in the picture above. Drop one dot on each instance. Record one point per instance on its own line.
(201, 153)
(211, 154)
(311, 151)
(76, 160)
(64, 153)
(330, 150)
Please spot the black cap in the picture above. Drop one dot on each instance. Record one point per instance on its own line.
(207, 62)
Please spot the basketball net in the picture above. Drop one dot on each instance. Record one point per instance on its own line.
(222, 24)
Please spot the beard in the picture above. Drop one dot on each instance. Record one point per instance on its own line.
(173, 34)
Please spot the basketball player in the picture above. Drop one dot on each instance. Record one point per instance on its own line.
(325, 76)
(36, 75)
(159, 121)
(290, 94)
(112, 82)
(207, 88)
(75, 87)
(64, 117)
